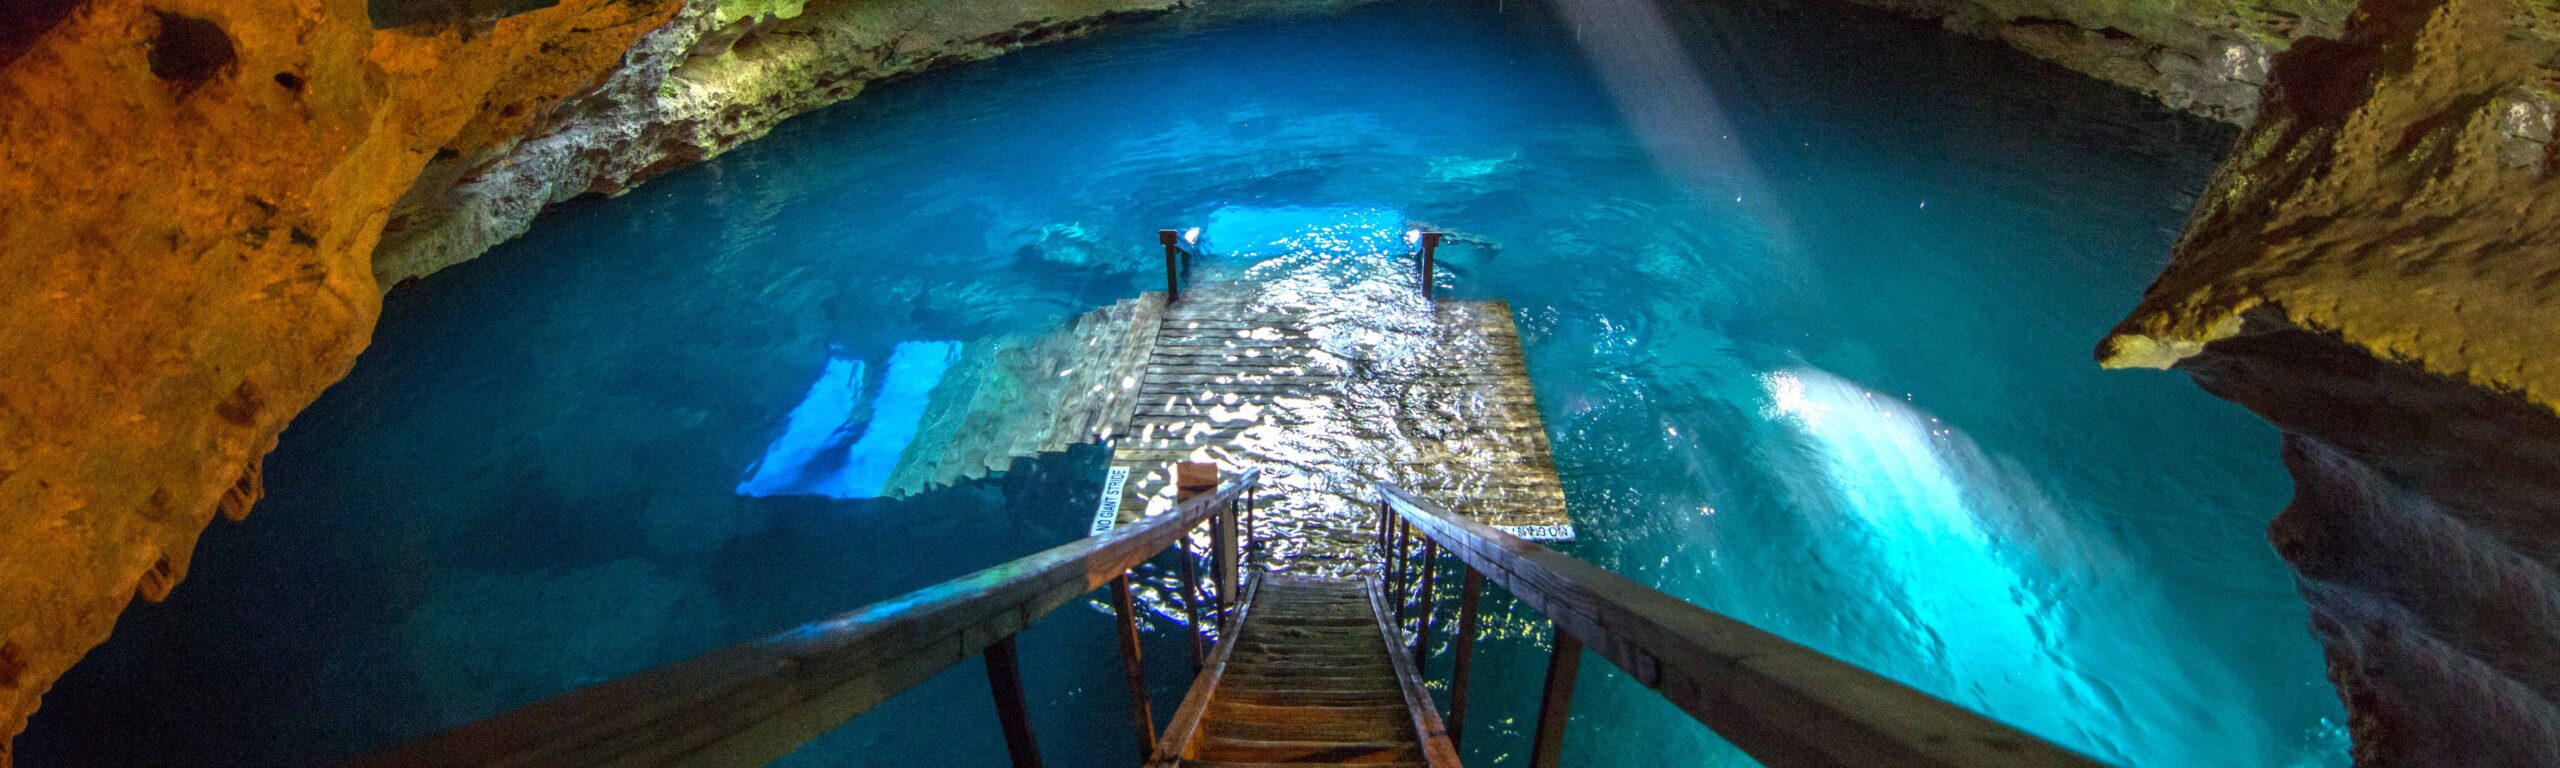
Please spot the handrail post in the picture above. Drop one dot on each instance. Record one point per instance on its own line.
(1141, 714)
(1190, 589)
(1404, 554)
(1252, 543)
(1172, 265)
(1555, 704)
(1466, 652)
(1430, 246)
(1004, 680)
(1230, 554)
(1384, 514)
(1396, 533)
(1422, 623)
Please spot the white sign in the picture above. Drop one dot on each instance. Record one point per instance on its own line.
(1539, 532)
(1107, 514)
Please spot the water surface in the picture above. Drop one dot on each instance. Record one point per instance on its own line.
(1808, 293)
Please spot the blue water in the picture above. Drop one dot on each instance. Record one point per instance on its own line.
(1808, 293)
(819, 452)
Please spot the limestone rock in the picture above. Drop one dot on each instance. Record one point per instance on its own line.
(2204, 56)
(190, 193)
(724, 72)
(2376, 270)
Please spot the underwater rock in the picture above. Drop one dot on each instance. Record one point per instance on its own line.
(2376, 270)
(722, 73)
(190, 193)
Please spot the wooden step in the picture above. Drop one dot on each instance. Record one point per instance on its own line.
(1308, 680)
(1226, 764)
(1277, 751)
(1313, 724)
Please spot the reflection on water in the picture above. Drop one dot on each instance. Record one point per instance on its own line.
(818, 453)
(1304, 347)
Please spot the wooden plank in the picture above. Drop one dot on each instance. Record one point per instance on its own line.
(1182, 735)
(753, 702)
(1555, 702)
(1141, 712)
(1437, 752)
(1013, 713)
(1227, 376)
(1785, 704)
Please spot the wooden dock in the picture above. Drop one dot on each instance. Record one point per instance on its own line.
(1328, 395)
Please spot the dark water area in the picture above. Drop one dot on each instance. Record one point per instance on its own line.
(1808, 293)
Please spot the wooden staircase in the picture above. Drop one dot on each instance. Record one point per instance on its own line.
(1307, 671)
(1311, 676)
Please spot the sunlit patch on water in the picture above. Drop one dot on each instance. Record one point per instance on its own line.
(833, 446)
(1976, 568)
(1957, 583)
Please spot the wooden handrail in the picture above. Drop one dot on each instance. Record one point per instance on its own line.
(1785, 704)
(750, 703)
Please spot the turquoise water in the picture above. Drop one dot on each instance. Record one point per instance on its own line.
(1808, 293)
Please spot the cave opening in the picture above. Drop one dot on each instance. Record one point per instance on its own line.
(1765, 259)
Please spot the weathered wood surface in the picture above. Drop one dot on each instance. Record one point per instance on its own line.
(1785, 704)
(750, 703)
(1311, 676)
(1331, 393)
(1014, 398)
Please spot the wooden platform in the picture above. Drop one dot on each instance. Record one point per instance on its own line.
(1327, 394)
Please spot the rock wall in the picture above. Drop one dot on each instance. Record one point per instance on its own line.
(192, 193)
(2209, 57)
(2376, 270)
(722, 73)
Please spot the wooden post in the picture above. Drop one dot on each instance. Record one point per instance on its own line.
(1190, 589)
(1004, 679)
(1405, 574)
(1192, 478)
(1466, 652)
(1230, 558)
(1141, 714)
(1384, 514)
(1422, 628)
(1396, 531)
(1430, 245)
(1172, 264)
(1556, 703)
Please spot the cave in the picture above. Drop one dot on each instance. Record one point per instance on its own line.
(1263, 382)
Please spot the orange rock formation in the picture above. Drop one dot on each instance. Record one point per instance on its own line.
(190, 194)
